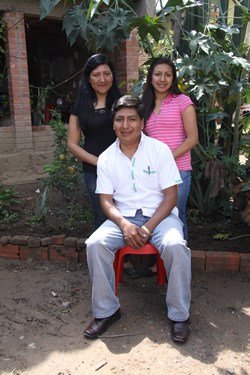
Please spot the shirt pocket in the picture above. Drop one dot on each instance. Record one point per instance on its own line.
(148, 178)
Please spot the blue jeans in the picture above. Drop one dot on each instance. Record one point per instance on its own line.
(167, 237)
(90, 183)
(183, 192)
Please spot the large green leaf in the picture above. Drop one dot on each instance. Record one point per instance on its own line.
(245, 187)
(93, 6)
(220, 63)
(46, 7)
(240, 61)
(148, 25)
(104, 31)
(200, 41)
(172, 6)
(202, 90)
(216, 115)
(230, 29)
(113, 26)
(75, 23)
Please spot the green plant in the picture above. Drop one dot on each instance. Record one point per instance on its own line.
(212, 61)
(194, 215)
(103, 24)
(200, 197)
(65, 171)
(221, 236)
(42, 96)
(40, 206)
(215, 73)
(8, 205)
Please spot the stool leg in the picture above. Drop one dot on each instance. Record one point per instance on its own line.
(118, 271)
(115, 260)
(161, 273)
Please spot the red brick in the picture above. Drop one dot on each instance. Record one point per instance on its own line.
(60, 253)
(9, 251)
(219, 261)
(244, 262)
(37, 253)
(58, 240)
(82, 257)
(198, 260)
(127, 60)
(7, 254)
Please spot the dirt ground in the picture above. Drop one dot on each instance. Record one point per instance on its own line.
(45, 307)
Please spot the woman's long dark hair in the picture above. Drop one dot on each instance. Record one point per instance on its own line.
(86, 96)
(148, 97)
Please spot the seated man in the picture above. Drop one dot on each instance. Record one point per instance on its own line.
(137, 182)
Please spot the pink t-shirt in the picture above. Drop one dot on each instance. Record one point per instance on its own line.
(168, 126)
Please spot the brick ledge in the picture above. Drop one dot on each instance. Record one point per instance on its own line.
(72, 249)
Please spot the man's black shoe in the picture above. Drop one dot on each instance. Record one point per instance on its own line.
(180, 331)
(98, 326)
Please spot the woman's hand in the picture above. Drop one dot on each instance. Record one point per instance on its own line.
(74, 138)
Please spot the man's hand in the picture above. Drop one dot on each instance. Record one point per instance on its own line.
(134, 236)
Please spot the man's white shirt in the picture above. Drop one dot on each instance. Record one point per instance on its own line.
(137, 183)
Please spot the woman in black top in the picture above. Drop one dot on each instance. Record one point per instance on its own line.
(91, 115)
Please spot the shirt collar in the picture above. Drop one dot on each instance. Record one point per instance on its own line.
(168, 98)
(142, 140)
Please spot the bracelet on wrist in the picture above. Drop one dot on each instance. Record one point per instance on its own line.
(146, 230)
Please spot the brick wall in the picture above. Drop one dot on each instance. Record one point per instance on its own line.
(127, 62)
(7, 140)
(23, 149)
(72, 249)
(18, 82)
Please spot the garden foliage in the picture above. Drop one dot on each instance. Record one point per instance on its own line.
(213, 68)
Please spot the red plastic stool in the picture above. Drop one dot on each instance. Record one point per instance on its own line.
(146, 249)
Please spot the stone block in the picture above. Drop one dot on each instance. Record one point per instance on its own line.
(34, 241)
(5, 240)
(46, 241)
(70, 241)
(19, 240)
(80, 244)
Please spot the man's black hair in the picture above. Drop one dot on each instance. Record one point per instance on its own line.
(128, 101)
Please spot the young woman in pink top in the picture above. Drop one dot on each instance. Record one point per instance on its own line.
(171, 118)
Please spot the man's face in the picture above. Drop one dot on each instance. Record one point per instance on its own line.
(128, 126)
